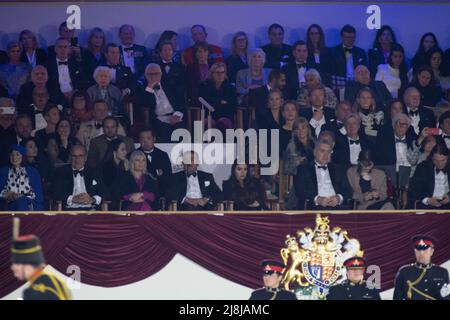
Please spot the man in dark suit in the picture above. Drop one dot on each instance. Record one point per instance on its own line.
(345, 57)
(430, 184)
(362, 79)
(295, 70)
(395, 148)
(132, 55)
(121, 76)
(348, 147)
(163, 106)
(257, 98)
(278, 53)
(64, 32)
(99, 145)
(320, 183)
(158, 162)
(317, 114)
(421, 117)
(194, 190)
(444, 125)
(78, 187)
(65, 73)
(336, 125)
(173, 73)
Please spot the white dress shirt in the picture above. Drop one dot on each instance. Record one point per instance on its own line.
(401, 151)
(193, 188)
(355, 149)
(447, 140)
(78, 188)
(441, 187)
(65, 83)
(128, 58)
(317, 124)
(324, 184)
(349, 66)
(163, 107)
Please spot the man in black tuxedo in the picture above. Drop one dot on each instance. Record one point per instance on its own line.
(257, 98)
(320, 183)
(278, 53)
(163, 106)
(158, 162)
(132, 55)
(362, 79)
(194, 190)
(36, 109)
(345, 57)
(173, 73)
(64, 32)
(121, 76)
(348, 147)
(317, 114)
(395, 148)
(430, 184)
(421, 117)
(78, 187)
(295, 70)
(336, 125)
(65, 73)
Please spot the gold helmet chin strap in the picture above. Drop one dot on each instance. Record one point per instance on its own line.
(16, 228)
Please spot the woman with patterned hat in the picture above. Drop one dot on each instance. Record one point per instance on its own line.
(20, 185)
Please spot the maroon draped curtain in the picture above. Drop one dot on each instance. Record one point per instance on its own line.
(114, 250)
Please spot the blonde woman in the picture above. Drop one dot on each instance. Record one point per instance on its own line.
(254, 76)
(238, 57)
(371, 118)
(136, 187)
(30, 51)
(104, 90)
(94, 55)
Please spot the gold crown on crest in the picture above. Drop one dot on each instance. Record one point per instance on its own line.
(322, 224)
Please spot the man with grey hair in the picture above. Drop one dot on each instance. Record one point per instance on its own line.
(164, 107)
(363, 79)
(421, 117)
(397, 149)
(132, 55)
(349, 146)
(192, 189)
(320, 184)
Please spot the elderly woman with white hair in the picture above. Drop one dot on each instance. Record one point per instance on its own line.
(136, 186)
(254, 76)
(313, 79)
(104, 90)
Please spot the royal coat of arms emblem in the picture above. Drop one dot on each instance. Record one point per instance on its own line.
(314, 259)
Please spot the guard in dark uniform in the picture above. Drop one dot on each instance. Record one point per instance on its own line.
(28, 265)
(354, 287)
(422, 280)
(272, 275)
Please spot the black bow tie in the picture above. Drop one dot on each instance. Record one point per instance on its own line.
(347, 49)
(321, 167)
(354, 141)
(98, 125)
(413, 113)
(440, 170)
(78, 172)
(157, 87)
(301, 65)
(194, 174)
(165, 64)
(62, 63)
(316, 110)
(446, 137)
(400, 141)
(128, 49)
